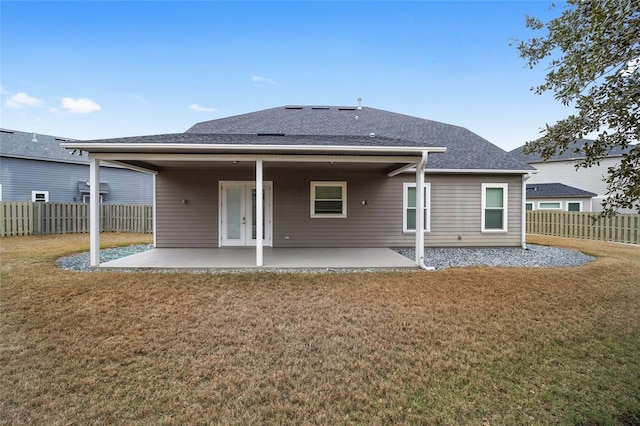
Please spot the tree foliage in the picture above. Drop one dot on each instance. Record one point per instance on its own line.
(592, 55)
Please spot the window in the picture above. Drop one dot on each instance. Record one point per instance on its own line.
(409, 207)
(494, 207)
(529, 207)
(328, 199)
(40, 196)
(574, 206)
(549, 206)
(86, 198)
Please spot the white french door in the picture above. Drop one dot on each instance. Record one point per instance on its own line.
(238, 213)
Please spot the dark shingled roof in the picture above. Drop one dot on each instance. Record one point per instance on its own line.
(555, 190)
(465, 149)
(20, 145)
(569, 154)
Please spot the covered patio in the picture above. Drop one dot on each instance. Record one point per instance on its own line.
(274, 258)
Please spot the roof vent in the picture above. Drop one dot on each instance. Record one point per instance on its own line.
(35, 139)
(270, 134)
(359, 103)
(346, 109)
(319, 107)
(292, 107)
(372, 135)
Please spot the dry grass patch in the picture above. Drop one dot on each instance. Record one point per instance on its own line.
(472, 346)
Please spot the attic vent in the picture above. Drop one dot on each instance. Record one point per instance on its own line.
(270, 134)
(319, 107)
(346, 109)
(61, 140)
(6, 131)
(292, 107)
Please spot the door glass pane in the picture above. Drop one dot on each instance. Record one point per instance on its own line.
(253, 215)
(234, 213)
(494, 197)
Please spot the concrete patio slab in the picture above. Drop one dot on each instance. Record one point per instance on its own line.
(231, 258)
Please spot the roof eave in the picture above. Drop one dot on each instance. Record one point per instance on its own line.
(482, 171)
(221, 148)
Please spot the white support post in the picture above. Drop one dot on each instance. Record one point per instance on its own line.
(94, 210)
(259, 213)
(420, 167)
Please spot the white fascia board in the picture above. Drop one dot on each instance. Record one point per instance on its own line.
(151, 148)
(247, 157)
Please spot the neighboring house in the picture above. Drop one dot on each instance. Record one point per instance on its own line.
(561, 168)
(34, 167)
(332, 177)
(557, 196)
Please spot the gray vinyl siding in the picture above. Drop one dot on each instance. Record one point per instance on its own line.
(19, 177)
(456, 205)
(456, 210)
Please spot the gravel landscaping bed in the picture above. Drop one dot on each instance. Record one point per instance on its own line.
(440, 258)
(533, 257)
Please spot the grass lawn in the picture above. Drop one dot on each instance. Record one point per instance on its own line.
(482, 346)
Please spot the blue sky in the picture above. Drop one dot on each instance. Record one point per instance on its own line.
(106, 69)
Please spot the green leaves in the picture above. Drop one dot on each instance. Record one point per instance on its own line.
(590, 52)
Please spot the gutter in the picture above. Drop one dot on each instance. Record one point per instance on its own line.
(523, 238)
(158, 147)
(420, 168)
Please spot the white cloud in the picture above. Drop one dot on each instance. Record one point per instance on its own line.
(80, 105)
(199, 108)
(259, 79)
(21, 100)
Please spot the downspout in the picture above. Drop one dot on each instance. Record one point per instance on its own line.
(421, 166)
(523, 241)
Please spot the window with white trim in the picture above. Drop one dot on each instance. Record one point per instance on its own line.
(40, 196)
(556, 205)
(409, 210)
(494, 207)
(329, 199)
(529, 207)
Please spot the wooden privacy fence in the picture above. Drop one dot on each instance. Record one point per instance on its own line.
(621, 228)
(29, 218)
